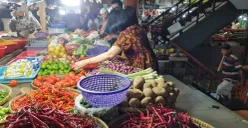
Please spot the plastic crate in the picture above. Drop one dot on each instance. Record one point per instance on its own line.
(56, 30)
(9, 47)
(22, 42)
(38, 42)
(2, 51)
(4, 80)
(26, 54)
(35, 48)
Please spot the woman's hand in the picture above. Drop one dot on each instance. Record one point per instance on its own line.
(80, 64)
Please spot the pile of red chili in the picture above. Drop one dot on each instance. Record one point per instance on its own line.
(30, 117)
(158, 117)
(53, 96)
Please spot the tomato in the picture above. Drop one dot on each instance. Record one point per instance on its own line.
(39, 84)
(72, 74)
(52, 81)
(57, 79)
(13, 83)
(35, 82)
(39, 78)
(46, 83)
(46, 78)
(66, 84)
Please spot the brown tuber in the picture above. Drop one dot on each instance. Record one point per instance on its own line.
(146, 101)
(134, 93)
(159, 91)
(134, 103)
(171, 84)
(124, 103)
(159, 100)
(162, 85)
(160, 80)
(171, 98)
(147, 85)
(138, 82)
(176, 91)
(153, 83)
(148, 92)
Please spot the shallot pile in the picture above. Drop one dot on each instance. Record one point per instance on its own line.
(120, 67)
(30, 117)
(158, 117)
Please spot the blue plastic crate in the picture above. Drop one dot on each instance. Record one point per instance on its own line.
(23, 79)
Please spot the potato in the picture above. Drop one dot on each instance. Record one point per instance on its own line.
(171, 98)
(146, 101)
(147, 85)
(134, 93)
(171, 84)
(153, 83)
(162, 85)
(124, 103)
(159, 91)
(160, 80)
(134, 103)
(176, 91)
(159, 100)
(148, 92)
(138, 82)
(170, 89)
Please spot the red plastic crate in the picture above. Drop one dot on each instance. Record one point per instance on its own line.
(21, 41)
(26, 54)
(2, 51)
(10, 48)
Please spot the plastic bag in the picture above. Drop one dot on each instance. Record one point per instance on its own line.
(90, 111)
(70, 47)
(55, 49)
(102, 43)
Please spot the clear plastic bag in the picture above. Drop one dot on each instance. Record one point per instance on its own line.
(89, 111)
(55, 49)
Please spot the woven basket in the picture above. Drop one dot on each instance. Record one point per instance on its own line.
(10, 103)
(59, 76)
(123, 118)
(101, 123)
(8, 89)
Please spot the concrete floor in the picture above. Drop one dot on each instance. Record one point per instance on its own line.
(199, 105)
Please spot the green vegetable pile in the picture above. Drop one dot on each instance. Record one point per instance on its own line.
(3, 94)
(49, 67)
(3, 113)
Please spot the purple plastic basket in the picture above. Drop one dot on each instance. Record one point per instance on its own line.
(41, 35)
(97, 50)
(104, 90)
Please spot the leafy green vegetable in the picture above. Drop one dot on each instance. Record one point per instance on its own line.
(3, 94)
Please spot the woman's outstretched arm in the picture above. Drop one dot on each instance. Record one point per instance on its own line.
(111, 53)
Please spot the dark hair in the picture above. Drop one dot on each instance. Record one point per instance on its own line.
(226, 47)
(117, 2)
(120, 19)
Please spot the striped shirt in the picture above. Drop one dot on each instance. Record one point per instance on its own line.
(230, 68)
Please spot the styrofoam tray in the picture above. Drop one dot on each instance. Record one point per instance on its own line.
(25, 79)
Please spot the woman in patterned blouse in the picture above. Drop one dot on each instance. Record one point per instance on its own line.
(132, 41)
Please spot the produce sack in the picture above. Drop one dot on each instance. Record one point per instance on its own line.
(55, 49)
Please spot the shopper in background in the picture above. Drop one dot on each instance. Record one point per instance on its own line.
(132, 41)
(231, 70)
(104, 15)
(116, 4)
